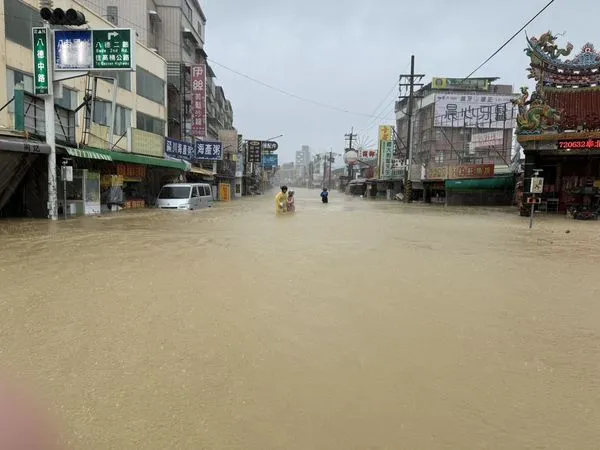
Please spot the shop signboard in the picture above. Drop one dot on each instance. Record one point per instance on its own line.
(486, 140)
(270, 146)
(99, 49)
(462, 84)
(254, 149)
(199, 125)
(470, 110)
(41, 85)
(367, 154)
(437, 173)
(468, 171)
(386, 151)
(579, 144)
(179, 149)
(270, 161)
(131, 171)
(208, 151)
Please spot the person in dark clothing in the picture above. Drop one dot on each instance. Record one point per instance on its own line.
(325, 196)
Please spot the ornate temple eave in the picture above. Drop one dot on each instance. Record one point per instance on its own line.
(551, 137)
(557, 64)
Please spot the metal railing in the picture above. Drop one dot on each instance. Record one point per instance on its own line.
(35, 122)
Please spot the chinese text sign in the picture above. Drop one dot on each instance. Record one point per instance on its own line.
(113, 49)
(474, 111)
(41, 85)
(199, 125)
(209, 151)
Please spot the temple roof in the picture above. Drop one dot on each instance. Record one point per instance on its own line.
(549, 63)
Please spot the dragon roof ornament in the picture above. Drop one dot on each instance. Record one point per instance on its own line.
(544, 50)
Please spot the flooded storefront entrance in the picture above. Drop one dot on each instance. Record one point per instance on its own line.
(356, 324)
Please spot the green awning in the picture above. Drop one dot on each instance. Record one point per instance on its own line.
(496, 183)
(132, 158)
(87, 154)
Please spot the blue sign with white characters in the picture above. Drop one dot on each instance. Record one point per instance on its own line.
(179, 149)
(209, 151)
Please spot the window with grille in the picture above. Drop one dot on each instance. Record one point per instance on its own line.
(112, 15)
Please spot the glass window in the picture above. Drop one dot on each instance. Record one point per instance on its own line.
(102, 111)
(150, 86)
(175, 192)
(20, 19)
(123, 78)
(68, 99)
(195, 192)
(123, 121)
(151, 124)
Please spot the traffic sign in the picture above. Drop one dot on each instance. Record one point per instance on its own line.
(102, 49)
(41, 85)
(537, 185)
(114, 49)
(72, 50)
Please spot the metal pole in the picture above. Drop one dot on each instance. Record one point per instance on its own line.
(113, 112)
(531, 216)
(50, 132)
(330, 162)
(409, 124)
(64, 189)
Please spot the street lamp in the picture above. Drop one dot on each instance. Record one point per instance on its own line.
(274, 137)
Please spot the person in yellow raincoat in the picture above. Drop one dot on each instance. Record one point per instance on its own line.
(281, 200)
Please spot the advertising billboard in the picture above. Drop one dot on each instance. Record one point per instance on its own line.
(475, 111)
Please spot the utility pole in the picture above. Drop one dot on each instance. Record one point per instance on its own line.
(350, 137)
(330, 163)
(409, 81)
(51, 132)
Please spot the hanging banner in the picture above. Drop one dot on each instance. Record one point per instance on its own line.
(199, 125)
(386, 151)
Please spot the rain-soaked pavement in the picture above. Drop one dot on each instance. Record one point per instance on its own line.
(353, 325)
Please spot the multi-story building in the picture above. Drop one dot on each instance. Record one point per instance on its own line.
(456, 123)
(303, 157)
(132, 143)
(175, 29)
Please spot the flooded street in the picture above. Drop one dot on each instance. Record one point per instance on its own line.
(352, 325)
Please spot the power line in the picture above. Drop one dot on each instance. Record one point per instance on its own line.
(289, 94)
(510, 39)
(248, 77)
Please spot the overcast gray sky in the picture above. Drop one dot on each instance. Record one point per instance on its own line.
(348, 54)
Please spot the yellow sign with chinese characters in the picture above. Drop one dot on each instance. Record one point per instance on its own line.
(386, 133)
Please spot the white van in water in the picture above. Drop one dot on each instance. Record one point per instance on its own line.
(185, 196)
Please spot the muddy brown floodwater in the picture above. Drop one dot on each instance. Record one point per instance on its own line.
(353, 325)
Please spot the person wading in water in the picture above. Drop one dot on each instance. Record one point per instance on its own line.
(281, 200)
